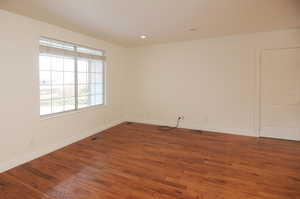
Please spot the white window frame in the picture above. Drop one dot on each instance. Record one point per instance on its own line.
(76, 109)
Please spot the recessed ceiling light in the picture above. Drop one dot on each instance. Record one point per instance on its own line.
(143, 37)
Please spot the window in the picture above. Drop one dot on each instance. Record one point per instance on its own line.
(71, 77)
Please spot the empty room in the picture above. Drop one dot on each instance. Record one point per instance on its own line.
(150, 99)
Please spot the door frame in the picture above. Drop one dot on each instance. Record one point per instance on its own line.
(257, 115)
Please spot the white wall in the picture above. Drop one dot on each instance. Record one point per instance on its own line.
(23, 135)
(212, 82)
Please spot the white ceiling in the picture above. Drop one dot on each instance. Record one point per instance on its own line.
(123, 21)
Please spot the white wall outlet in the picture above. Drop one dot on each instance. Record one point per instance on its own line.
(180, 117)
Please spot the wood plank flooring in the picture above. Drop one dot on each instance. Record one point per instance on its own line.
(139, 161)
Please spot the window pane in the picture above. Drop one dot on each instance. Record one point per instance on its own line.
(96, 99)
(57, 63)
(57, 105)
(45, 63)
(45, 78)
(96, 89)
(69, 78)
(83, 101)
(56, 44)
(45, 107)
(83, 90)
(57, 78)
(99, 99)
(69, 64)
(89, 51)
(57, 91)
(82, 78)
(69, 91)
(96, 66)
(69, 103)
(45, 92)
(96, 77)
(82, 65)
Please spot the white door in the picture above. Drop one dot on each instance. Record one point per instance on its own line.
(280, 94)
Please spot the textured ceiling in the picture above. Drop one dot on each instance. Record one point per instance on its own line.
(123, 21)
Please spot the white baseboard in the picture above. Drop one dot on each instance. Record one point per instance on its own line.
(242, 132)
(53, 147)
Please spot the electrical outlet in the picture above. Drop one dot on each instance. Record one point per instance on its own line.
(181, 117)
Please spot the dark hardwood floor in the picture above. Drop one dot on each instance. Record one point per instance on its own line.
(139, 161)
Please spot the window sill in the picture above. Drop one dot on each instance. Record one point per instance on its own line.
(71, 112)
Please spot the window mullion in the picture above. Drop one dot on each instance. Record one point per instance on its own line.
(89, 82)
(51, 83)
(63, 87)
(76, 80)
